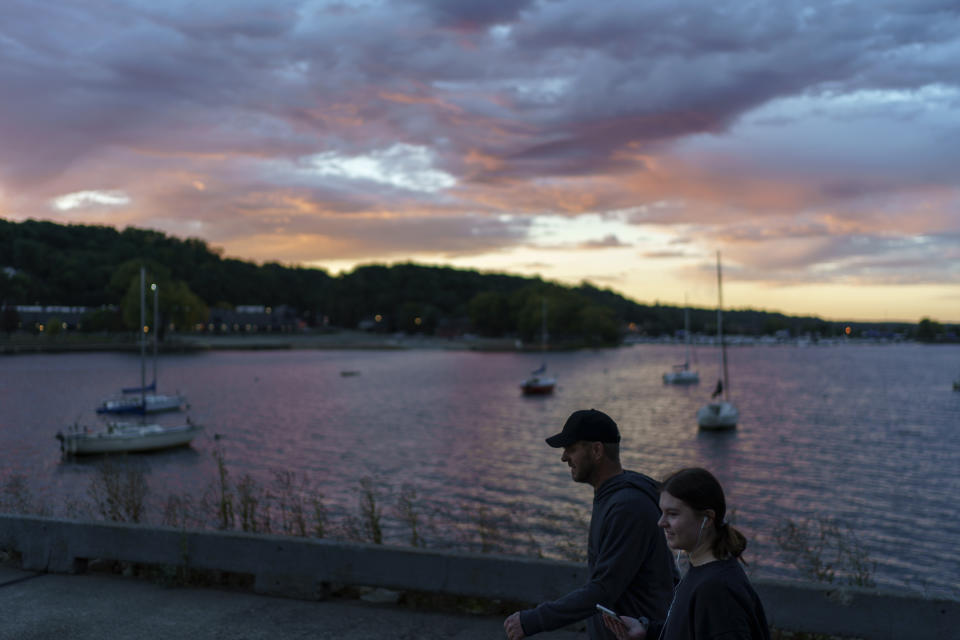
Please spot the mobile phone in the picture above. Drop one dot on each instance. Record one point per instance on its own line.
(607, 612)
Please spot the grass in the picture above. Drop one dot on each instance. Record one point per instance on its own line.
(824, 550)
(16, 497)
(118, 492)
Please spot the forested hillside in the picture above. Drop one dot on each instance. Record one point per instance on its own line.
(43, 263)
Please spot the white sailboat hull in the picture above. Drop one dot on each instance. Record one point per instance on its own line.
(681, 377)
(718, 416)
(120, 437)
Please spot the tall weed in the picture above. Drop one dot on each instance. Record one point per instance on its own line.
(16, 497)
(119, 492)
(825, 550)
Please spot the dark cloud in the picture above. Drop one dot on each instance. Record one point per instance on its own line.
(718, 121)
(857, 259)
(609, 241)
(585, 84)
(852, 188)
(656, 255)
(472, 15)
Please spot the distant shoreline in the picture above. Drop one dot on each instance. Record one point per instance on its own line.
(347, 340)
(20, 344)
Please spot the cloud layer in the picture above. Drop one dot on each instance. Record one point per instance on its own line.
(815, 143)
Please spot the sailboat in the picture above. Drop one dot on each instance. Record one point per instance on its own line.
(681, 373)
(121, 437)
(146, 400)
(116, 437)
(538, 382)
(719, 413)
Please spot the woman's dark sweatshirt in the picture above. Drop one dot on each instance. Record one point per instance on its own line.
(631, 569)
(715, 601)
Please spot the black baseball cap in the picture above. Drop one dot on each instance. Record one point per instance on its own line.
(586, 424)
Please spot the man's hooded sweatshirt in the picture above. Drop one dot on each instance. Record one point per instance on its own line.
(630, 567)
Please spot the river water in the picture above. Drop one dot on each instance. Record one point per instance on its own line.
(866, 435)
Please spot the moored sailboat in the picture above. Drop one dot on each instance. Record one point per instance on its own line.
(720, 413)
(147, 400)
(126, 437)
(538, 383)
(682, 374)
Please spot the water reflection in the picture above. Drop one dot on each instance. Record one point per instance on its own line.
(867, 434)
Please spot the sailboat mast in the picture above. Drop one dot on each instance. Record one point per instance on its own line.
(543, 324)
(156, 332)
(686, 331)
(143, 341)
(723, 345)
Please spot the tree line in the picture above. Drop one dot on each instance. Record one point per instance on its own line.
(44, 263)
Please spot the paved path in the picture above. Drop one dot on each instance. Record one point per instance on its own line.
(40, 606)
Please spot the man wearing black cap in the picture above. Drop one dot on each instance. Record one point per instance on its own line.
(631, 569)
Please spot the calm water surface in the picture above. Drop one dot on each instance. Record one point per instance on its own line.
(866, 434)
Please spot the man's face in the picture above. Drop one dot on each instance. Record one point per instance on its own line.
(578, 457)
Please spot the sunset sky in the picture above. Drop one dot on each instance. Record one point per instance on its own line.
(815, 144)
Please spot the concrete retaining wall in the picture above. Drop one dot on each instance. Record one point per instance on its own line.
(300, 567)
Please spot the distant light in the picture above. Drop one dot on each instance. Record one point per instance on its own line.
(146, 329)
(847, 330)
(378, 317)
(89, 198)
(153, 286)
(417, 321)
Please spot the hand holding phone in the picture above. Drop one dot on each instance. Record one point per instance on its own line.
(624, 628)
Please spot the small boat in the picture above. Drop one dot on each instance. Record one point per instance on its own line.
(122, 437)
(681, 373)
(719, 414)
(147, 399)
(539, 383)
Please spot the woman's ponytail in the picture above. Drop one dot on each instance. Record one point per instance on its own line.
(729, 542)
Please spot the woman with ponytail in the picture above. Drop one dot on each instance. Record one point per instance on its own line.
(714, 600)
